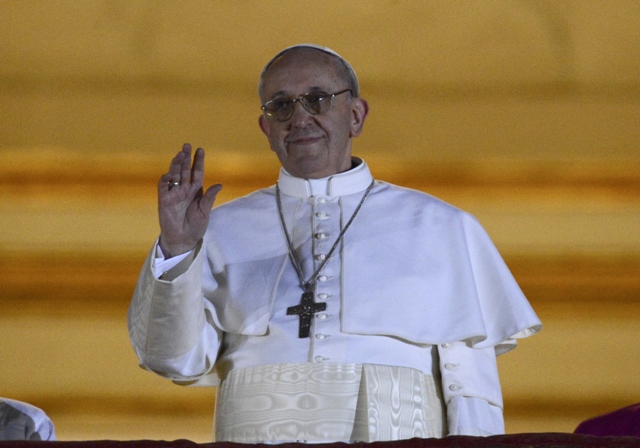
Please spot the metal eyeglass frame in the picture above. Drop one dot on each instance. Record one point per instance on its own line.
(302, 99)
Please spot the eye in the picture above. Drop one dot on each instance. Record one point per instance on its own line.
(315, 98)
(280, 104)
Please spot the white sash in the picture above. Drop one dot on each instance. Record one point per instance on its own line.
(324, 403)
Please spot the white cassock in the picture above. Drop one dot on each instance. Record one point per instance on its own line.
(418, 305)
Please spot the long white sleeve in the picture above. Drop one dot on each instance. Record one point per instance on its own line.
(170, 324)
(23, 421)
(471, 390)
(468, 416)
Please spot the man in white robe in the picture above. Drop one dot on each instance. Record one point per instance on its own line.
(333, 307)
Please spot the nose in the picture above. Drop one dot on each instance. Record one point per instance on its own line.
(301, 117)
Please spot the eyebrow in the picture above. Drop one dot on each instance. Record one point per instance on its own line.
(311, 89)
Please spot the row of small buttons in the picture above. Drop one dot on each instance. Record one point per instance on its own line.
(321, 236)
(451, 366)
(321, 316)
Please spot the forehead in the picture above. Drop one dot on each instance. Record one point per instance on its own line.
(299, 71)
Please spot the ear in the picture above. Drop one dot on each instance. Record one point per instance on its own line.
(359, 112)
(263, 125)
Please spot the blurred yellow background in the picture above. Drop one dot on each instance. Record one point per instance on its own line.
(525, 113)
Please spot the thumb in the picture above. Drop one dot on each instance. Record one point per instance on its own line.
(209, 196)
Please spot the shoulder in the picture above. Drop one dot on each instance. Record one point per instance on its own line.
(255, 201)
(245, 215)
(397, 192)
(404, 200)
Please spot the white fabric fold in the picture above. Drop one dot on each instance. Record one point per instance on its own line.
(160, 307)
(430, 266)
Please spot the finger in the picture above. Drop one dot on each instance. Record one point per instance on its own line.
(163, 184)
(197, 171)
(209, 197)
(185, 167)
(166, 183)
(176, 164)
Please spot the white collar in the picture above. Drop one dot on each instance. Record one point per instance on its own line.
(355, 180)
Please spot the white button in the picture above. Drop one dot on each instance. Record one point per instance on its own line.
(321, 236)
(446, 345)
(323, 278)
(322, 200)
(320, 257)
(163, 275)
(323, 295)
(320, 336)
(453, 387)
(321, 215)
(319, 359)
(450, 366)
(322, 316)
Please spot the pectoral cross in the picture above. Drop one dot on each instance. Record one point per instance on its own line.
(306, 310)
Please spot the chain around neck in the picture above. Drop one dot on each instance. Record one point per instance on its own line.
(309, 284)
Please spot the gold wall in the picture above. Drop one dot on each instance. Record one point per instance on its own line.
(525, 113)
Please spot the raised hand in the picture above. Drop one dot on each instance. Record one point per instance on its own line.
(183, 207)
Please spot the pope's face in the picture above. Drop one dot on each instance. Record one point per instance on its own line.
(311, 146)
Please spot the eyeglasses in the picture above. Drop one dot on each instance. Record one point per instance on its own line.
(316, 103)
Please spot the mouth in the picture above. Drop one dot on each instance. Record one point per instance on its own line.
(300, 141)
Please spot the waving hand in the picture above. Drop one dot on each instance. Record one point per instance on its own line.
(183, 205)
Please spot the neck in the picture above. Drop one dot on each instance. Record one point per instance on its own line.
(320, 186)
(352, 181)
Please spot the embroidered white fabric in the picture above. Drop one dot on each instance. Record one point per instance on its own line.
(306, 402)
